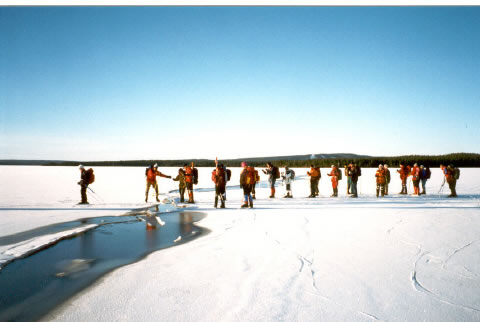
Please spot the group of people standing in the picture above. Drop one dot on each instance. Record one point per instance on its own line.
(249, 177)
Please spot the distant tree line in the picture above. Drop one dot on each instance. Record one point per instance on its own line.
(457, 159)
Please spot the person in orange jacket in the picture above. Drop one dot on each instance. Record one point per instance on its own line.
(404, 172)
(451, 175)
(334, 174)
(189, 181)
(381, 180)
(247, 180)
(315, 176)
(219, 177)
(415, 173)
(152, 173)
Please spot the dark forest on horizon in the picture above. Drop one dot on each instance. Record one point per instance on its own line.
(457, 159)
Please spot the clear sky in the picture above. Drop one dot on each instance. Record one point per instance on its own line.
(110, 83)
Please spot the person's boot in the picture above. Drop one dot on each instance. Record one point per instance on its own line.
(222, 205)
(253, 196)
(146, 198)
(216, 201)
(272, 193)
(157, 199)
(250, 203)
(336, 192)
(245, 205)
(378, 192)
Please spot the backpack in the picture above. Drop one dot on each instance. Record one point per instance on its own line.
(276, 173)
(90, 176)
(195, 176)
(456, 173)
(429, 173)
(257, 177)
(359, 171)
(250, 176)
(339, 174)
(229, 174)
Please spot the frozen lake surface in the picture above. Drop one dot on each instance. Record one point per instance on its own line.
(397, 258)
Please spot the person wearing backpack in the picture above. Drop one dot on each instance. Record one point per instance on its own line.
(273, 175)
(189, 180)
(219, 178)
(452, 175)
(381, 180)
(181, 184)
(335, 174)
(387, 177)
(354, 174)
(288, 178)
(247, 180)
(315, 176)
(257, 180)
(152, 173)
(86, 177)
(425, 174)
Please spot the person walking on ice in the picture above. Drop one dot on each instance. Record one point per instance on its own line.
(288, 178)
(219, 178)
(425, 174)
(404, 172)
(273, 175)
(315, 176)
(152, 173)
(381, 180)
(86, 177)
(181, 184)
(452, 174)
(247, 180)
(387, 177)
(335, 174)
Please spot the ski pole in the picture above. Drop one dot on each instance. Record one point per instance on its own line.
(441, 187)
(96, 194)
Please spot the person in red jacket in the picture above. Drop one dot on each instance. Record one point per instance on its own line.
(152, 173)
(404, 172)
(189, 181)
(415, 173)
(219, 177)
(334, 174)
(381, 180)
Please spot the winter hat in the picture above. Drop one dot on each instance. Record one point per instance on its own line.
(155, 165)
(385, 165)
(244, 164)
(81, 166)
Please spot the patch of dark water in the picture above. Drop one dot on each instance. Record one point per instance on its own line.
(33, 286)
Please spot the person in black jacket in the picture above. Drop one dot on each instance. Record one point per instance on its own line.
(387, 175)
(273, 174)
(83, 184)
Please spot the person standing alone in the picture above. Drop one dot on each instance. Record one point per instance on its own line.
(86, 177)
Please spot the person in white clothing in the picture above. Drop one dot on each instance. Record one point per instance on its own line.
(288, 178)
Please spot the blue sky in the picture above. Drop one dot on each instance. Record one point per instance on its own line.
(108, 83)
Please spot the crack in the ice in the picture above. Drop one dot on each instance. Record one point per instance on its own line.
(456, 251)
(420, 288)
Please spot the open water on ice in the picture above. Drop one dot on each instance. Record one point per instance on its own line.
(34, 285)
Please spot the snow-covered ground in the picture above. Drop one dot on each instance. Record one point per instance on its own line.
(400, 258)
